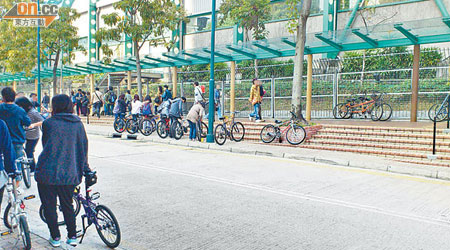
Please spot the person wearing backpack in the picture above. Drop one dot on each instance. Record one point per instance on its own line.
(167, 95)
(97, 101)
(111, 99)
(262, 92)
(255, 100)
(147, 107)
(158, 98)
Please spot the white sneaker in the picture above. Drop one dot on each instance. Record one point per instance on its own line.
(258, 121)
(250, 118)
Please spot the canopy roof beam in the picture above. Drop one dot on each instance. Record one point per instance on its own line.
(145, 62)
(268, 49)
(89, 69)
(101, 67)
(242, 52)
(364, 37)
(329, 41)
(125, 63)
(288, 42)
(218, 54)
(406, 33)
(171, 64)
(78, 69)
(178, 59)
(446, 20)
(205, 59)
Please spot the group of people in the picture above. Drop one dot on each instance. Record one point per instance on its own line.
(62, 162)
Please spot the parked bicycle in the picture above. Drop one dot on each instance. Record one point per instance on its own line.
(439, 111)
(202, 129)
(364, 106)
(94, 214)
(147, 125)
(294, 133)
(120, 123)
(229, 128)
(15, 217)
(25, 165)
(163, 126)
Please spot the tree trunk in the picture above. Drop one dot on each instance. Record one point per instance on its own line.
(298, 60)
(138, 70)
(55, 76)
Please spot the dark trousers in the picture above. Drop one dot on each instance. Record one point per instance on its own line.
(171, 129)
(97, 107)
(30, 145)
(78, 108)
(48, 194)
(192, 130)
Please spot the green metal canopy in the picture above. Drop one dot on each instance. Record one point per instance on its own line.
(427, 31)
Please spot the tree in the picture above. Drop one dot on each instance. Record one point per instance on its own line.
(143, 21)
(250, 14)
(17, 45)
(60, 37)
(298, 25)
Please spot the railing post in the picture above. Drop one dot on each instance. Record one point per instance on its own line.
(272, 96)
(434, 136)
(222, 102)
(335, 89)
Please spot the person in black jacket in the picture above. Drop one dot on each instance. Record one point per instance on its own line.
(7, 156)
(61, 165)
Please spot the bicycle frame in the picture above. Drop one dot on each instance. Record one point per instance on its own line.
(89, 209)
(363, 109)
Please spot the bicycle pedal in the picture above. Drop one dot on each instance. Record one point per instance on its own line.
(29, 197)
(5, 233)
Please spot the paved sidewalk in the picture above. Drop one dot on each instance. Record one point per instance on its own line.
(11, 242)
(296, 153)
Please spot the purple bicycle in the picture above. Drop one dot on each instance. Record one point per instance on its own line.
(94, 214)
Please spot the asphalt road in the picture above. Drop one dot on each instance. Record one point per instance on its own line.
(171, 197)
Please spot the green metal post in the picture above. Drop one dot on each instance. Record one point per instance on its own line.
(211, 116)
(353, 14)
(92, 30)
(442, 8)
(39, 59)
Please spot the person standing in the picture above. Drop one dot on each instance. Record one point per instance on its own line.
(46, 100)
(194, 117)
(175, 111)
(15, 118)
(217, 101)
(32, 134)
(158, 98)
(78, 98)
(255, 100)
(110, 99)
(97, 101)
(262, 92)
(198, 95)
(120, 108)
(167, 95)
(7, 157)
(61, 165)
(34, 100)
(128, 100)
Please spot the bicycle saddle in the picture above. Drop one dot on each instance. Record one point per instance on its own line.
(278, 122)
(222, 118)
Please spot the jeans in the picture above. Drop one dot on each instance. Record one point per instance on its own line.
(255, 113)
(78, 108)
(30, 145)
(119, 115)
(97, 106)
(48, 194)
(192, 130)
(219, 111)
(110, 108)
(18, 148)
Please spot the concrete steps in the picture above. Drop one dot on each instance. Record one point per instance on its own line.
(412, 145)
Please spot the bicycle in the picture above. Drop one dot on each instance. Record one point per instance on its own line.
(294, 133)
(25, 166)
(95, 214)
(375, 107)
(439, 112)
(76, 208)
(147, 125)
(221, 131)
(163, 126)
(15, 217)
(120, 123)
(201, 131)
(132, 123)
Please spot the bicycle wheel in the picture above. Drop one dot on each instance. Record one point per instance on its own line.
(377, 112)
(295, 134)
(161, 129)
(132, 126)
(7, 217)
(26, 174)
(76, 208)
(119, 125)
(441, 113)
(202, 130)
(268, 133)
(340, 111)
(237, 132)
(432, 111)
(387, 112)
(25, 232)
(146, 127)
(220, 134)
(108, 227)
(177, 129)
(153, 121)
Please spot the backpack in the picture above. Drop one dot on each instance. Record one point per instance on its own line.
(158, 100)
(147, 109)
(261, 91)
(112, 97)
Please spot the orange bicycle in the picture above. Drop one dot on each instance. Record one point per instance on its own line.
(363, 106)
